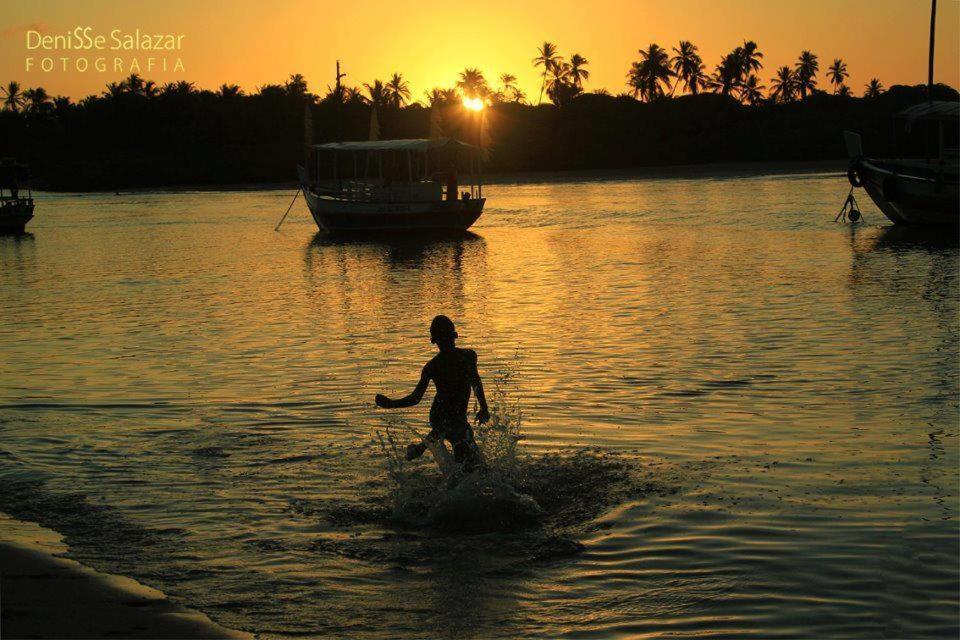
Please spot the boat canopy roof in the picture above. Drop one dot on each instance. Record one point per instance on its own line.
(936, 110)
(419, 145)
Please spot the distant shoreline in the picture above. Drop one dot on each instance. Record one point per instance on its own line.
(46, 595)
(675, 172)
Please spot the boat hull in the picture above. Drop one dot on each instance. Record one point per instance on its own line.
(338, 215)
(907, 198)
(14, 217)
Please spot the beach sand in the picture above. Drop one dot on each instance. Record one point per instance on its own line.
(43, 595)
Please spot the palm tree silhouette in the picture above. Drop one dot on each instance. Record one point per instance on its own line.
(229, 91)
(398, 91)
(12, 97)
(844, 91)
(750, 58)
(61, 104)
(114, 90)
(183, 88)
(133, 84)
(434, 96)
(837, 73)
(751, 91)
(783, 86)
(646, 76)
(688, 67)
(508, 87)
(472, 83)
(353, 95)
(874, 88)
(807, 67)
(729, 72)
(296, 86)
(547, 59)
(560, 86)
(577, 71)
(37, 100)
(378, 93)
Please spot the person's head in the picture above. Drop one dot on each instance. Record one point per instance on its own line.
(442, 332)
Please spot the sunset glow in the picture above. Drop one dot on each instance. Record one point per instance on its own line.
(474, 104)
(255, 43)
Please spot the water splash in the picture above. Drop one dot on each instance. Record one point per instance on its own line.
(514, 490)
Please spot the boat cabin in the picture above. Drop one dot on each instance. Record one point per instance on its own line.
(408, 170)
(14, 179)
(929, 131)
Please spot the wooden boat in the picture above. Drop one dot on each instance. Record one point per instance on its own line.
(921, 184)
(15, 210)
(379, 185)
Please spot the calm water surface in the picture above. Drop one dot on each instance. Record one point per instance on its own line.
(187, 395)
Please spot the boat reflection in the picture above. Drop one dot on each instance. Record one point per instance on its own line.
(367, 274)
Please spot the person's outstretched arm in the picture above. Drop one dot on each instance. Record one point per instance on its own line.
(415, 396)
(484, 414)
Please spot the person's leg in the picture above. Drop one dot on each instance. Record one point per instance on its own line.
(416, 449)
(465, 450)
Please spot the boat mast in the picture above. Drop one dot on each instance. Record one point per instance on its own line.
(933, 29)
(339, 93)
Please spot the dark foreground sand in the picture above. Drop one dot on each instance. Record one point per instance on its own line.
(45, 596)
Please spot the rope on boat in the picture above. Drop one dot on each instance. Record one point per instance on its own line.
(277, 228)
(850, 210)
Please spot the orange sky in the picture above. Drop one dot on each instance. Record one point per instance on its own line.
(251, 43)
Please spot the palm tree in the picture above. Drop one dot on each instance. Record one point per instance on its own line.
(783, 87)
(508, 87)
(133, 84)
(185, 88)
(37, 100)
(751, 91)
(837, 73)
(353, 95)
(114, 90)
(434, 96)
(229, 91)
(874, 88)
(398, 91)
(378, 93)
(472, 83)
(729, 72)
(688, 67)
(807, 67)
(577, 71)
(61, 104)
(12, 97)
(547, 58)
(645, 77)
(560, 85)
(749, 58)
(296, 86)
(844, 91)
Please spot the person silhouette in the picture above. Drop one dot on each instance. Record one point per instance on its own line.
(454, 373)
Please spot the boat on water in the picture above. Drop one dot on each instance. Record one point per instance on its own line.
(393, 185)
(920, 185)
(15, 209)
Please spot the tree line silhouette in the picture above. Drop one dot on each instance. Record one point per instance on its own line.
(139, 133)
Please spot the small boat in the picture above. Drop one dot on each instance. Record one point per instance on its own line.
(15, 210)
(921, 184)
(380, 185)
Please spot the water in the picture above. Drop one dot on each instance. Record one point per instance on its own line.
(770, 399)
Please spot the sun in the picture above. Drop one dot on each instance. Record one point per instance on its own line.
(474, 104)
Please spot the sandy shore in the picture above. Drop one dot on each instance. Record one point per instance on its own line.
(43, 595)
